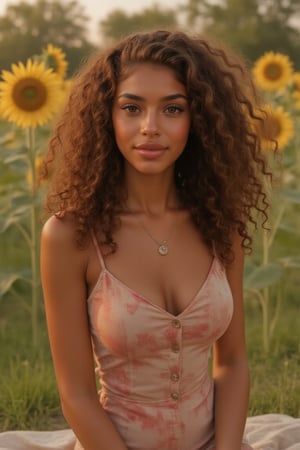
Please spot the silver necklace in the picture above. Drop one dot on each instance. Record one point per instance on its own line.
(163, 247)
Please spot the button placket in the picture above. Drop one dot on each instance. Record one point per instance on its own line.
(174, 361)
(176, 323)
(175, 348)
(175, 376)
(174, 395)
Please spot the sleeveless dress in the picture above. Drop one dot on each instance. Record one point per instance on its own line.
(154, 366)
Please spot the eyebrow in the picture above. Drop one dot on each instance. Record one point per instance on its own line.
(139, 98)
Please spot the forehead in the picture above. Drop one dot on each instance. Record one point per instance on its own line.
(150, 77)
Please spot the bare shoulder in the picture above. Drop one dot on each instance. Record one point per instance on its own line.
(59, 230)
(58, 241)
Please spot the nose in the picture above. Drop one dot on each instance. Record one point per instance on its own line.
(149, 124)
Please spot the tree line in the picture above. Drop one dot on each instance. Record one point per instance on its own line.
(250, 27)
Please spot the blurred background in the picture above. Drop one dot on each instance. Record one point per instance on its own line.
(248, 26)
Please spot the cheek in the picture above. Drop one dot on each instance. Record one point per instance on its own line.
(121, 133)
(181, 132)
(123, 129)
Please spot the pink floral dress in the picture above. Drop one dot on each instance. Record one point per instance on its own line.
(153, 366)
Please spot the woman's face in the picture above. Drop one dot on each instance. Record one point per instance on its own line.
(151, 118)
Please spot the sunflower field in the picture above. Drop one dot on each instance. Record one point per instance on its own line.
(31, 96)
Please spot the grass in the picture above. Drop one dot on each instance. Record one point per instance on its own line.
(275, 386)
(275, 381)
(28, 393)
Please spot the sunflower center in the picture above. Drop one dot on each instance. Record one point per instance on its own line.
(29, 94)
(273, 71)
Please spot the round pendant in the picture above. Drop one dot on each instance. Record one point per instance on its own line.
(163, 249)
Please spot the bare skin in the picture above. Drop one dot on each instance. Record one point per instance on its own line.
(171, 282)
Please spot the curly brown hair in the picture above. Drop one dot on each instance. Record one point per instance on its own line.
(219, 175)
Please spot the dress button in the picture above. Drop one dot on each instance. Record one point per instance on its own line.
(176, 323)
(174, 395)
(175, 376)
(175, 348)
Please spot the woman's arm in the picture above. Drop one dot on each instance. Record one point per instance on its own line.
(63, 269)
(230, 367)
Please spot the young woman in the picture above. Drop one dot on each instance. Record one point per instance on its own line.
(156, 171)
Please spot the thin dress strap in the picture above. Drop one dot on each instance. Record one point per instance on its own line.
(100, 257)
(214, 251)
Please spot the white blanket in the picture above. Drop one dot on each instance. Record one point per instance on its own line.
(266, 432)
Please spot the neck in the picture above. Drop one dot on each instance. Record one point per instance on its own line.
(151, 195)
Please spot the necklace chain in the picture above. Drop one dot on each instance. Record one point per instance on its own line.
(163, 247)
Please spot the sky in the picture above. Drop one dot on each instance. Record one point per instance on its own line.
(98, 9)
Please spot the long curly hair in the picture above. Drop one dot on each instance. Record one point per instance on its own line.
(219, 176)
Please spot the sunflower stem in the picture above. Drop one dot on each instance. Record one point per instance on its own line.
(34, 237)
(266, 296)
(24, 233)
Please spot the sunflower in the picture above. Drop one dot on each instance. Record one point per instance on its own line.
(30, 94)
(1, 113)
(296, 96)
(276, 125)
(296, 88)
(56, 60)
(272, 71)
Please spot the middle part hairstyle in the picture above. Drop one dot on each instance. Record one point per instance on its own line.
(219, 174)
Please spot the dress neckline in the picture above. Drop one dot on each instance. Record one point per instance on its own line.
(105, 271)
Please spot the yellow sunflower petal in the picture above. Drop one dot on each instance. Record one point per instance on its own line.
(7, 76)
(66, 88)
(296, 82)
(296, 97)
(272, 71)
(277, 125)
(56, 60)
(18, 70)
(30, 95)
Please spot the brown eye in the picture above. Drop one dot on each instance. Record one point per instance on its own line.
(173, 109)
(130, 108)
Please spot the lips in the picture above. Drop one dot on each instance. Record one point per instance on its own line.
(150, 150)
(150, 146)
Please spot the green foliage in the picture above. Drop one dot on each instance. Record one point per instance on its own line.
(275, 382)
(278, 250)
(278, 393)
(20, 201)
(262, 276)
(28, 395)
(25, 28)
(28, 392)
(119, 24)
(248, 26)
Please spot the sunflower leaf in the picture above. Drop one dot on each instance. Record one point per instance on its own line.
(264, 276)
(8, 279)
(292, 196)
(289, 228)
(16, 216)
(292, 262)
(15, 157)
